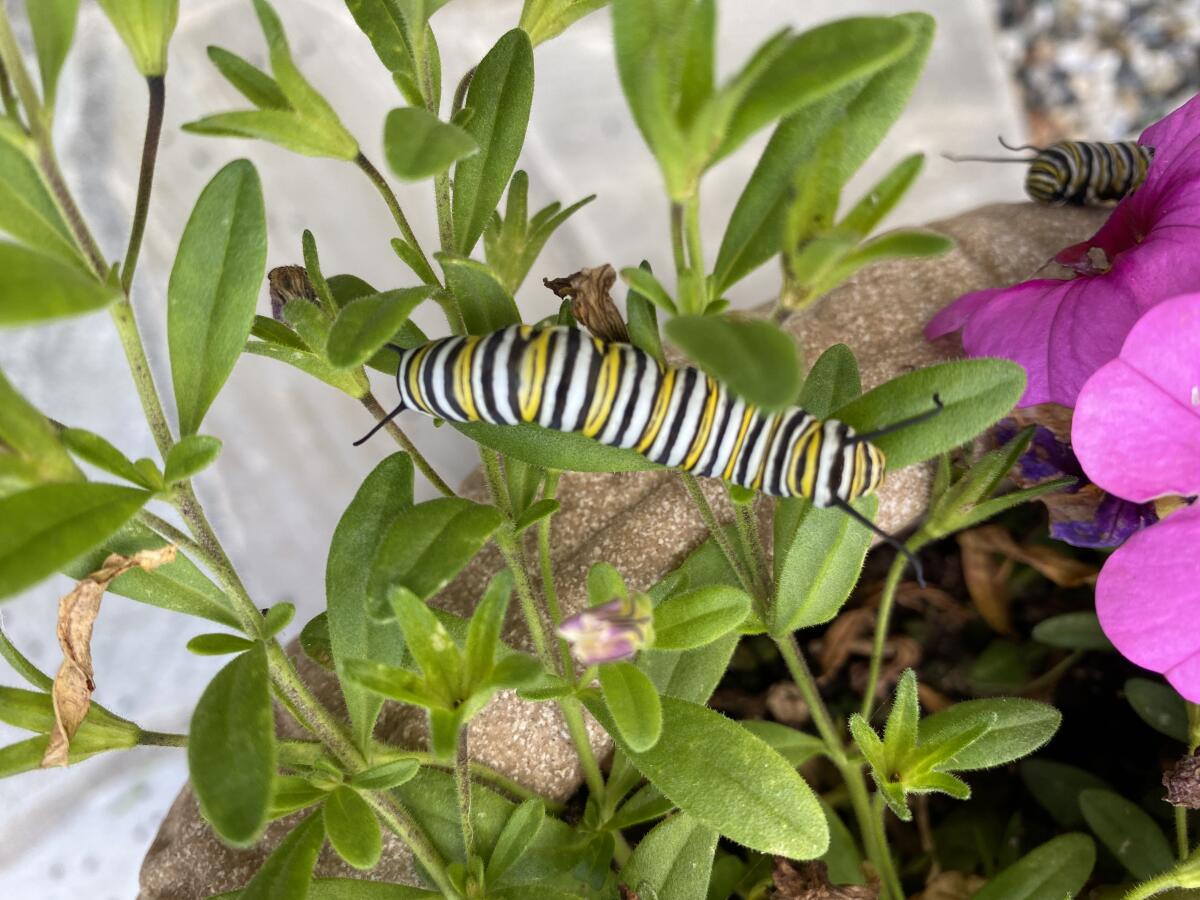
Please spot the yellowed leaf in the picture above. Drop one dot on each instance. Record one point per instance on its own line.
(986, 578)
(77, 611)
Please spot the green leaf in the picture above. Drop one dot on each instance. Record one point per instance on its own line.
(353, 634)
(977, 393)
(832, 382)
(909, 243)
(1128, 832)
(291, 794)
(231, 749)
(178, 586)
(254, 84)
(286, 873)
(673, 861)
(191, 455)
(483, 634)
(1019, 727)
(518, 833)
(365, 325)
(391, 681)
(1058, 868)
(545, 19)
(695, 618)
(792, 744)
(642, 281)
(1057, 787)
(485, 302)
(28, 435)
(214, 288)
(604, 583)
(1072, 631)
(383, 22)
(753, 358)
(352, 383)
(773, 812)
(900, 730)
(28, 210)
(218, 644)
(633, 703)
(53, 25)
(94, 449)
(565, 451)
(540, 510)
(883, 196)
(427, 544)
(821, 556)
(277, 618)
(22, 666)
(36, 287)
(45, 527)
(385, 776)
(34, 711)
(419, 145)
(646, 805)
(146, 27)
(314, 641)
(430, 644)
(499, 97)
(642, 321)
(352, 828)
(1159, 706)
(842, 859)
(277, 126)
(814, 65)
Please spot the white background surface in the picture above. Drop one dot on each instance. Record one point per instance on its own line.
(288, 468)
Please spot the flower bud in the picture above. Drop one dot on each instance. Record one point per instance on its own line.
(611, 631)
(1182, 782)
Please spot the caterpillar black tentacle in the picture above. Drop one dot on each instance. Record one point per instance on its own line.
(1082, 173)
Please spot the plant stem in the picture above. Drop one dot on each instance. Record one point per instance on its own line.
(718, 533)
(462, 782)
(6, 92)
(165, 529)
(398, 819)
(406, 443)
(882, 623)
(873, 841)
(143, 378)
(1181, 833)
(393, 204)
(460, 91)
(162, 739)
(546, 562)
(154, 121)
(695, 255)
(441, 198)
(889, 876)
(572, 711)
(14, 66)
(1157, 885)
(748, 533)
(677, 238)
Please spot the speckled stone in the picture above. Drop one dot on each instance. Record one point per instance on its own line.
(645, 525)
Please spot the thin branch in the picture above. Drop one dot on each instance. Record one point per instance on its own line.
(406, 443)
(393, 204)
(154, 121)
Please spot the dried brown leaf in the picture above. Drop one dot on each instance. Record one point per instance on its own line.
(987, 579)
(787, 704)
(810, 881)
(77, 611)
(952, 886)
(288, 283)
(1064, 570)
(840, 636)
(591, 301)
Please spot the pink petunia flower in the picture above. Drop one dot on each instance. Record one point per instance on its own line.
(611, 631)
(1147, 251)
(1136, 432)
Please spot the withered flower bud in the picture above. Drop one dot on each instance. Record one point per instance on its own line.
(810, 881)
(1182, 782)
(591, 302)
(288, 283)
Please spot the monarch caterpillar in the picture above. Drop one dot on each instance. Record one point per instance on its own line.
(1083, 173)
(566, 380)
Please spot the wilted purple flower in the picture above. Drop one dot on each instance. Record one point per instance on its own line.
(611, 631)
(1147, 252)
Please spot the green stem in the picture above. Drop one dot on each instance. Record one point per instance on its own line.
(695, 249)
(331, 732)
(1181, 833)
(143, 378)
(401, 823)
(873, 842)
(890, 878)
(381, 753)
(462, 783)
(165, 529)
(441, 197)
(677, 238)
(154, 121)
(546, 563)
(752, 545)
(10, 57)
(393, 204)
(405, 442)
(572, 712)
(718, 533)
(1164, 882)
(882, 623)
(10, 99)
(162, 739)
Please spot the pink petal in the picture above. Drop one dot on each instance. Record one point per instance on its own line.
(1148, 596)
(956, 315)
(1171, 136)
(1136, 429)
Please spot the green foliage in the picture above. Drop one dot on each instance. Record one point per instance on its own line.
(546, 19)
(192, 455)
(352, 828)
(516, 837)
(1058, 868)
(418, 145)
(145, 26)
(1072, 631)
(486, 304)
(633, 704)
(1058, 786)
(305, 124)
(214, 288)
(53, 25)
(38, 287)
(364, 326)
(499, 99)
(231, 749)
(92, 448)
(754, 359)
(1128, 832)
(792, 744)
(695, 618)
(674, 860)
(288, 870)
(1015, 727)
(403, 41)
(28, 210)
(1159, 706)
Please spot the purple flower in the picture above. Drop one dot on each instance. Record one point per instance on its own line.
(1147, 252)
(1136, 432)
(611, 631)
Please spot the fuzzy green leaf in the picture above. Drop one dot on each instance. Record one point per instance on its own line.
(254, 84)
(146, 27)
(674, 860)
(485, 302)
(514, 839)
(231, 749)
(191, 455)
(1058, 868)
(30, 438)
(214, 288)
(218, 644)
(753, 358)
(1072, 631)
(1019, 727)
(483, 634)
(352, 828)
(883, 196)
(1058, 786)
(633, 703)
(53, 25)
(1128, 832)
(365, 325)
(792, 744)
(36, 287)
(419, 145)
(545, 19)
(92, 448)
(28, 210)
(385, 776)
(286, 873)
(696, 618)
(1159, 706)
(832, 382)
(565, 451)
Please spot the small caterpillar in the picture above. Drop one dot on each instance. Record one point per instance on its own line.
(564, 379)
(1082, 173)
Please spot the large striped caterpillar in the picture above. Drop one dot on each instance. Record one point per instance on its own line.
(1083, 173)
(564, 379)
